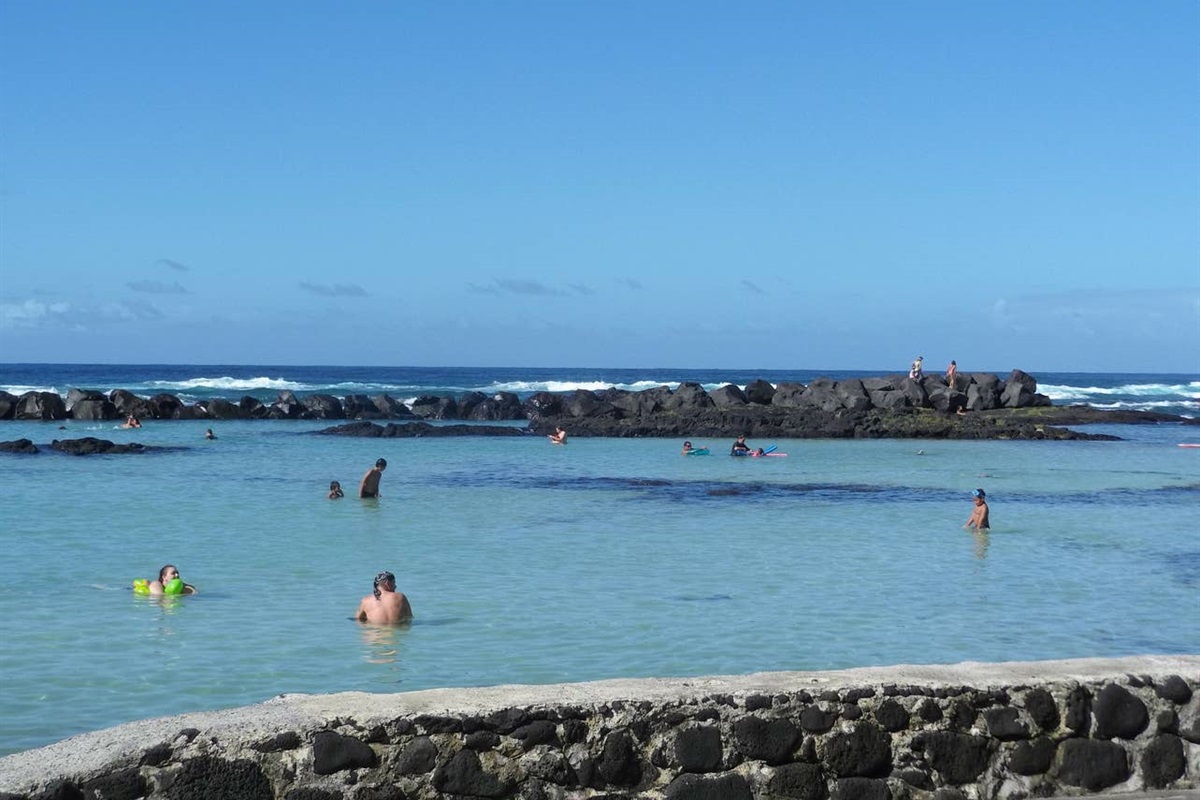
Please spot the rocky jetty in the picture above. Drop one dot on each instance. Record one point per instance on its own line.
(1007, 731)
(979, 406)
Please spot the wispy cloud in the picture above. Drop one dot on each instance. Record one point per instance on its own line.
(34, 314)
(156, 287)
(517, 286)
(336, 290)
(175, 265)
(630, 283)
(31, 313)
(579, 288)
(475, 288)
(752, 287)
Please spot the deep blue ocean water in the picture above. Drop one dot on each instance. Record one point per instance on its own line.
(529, 563)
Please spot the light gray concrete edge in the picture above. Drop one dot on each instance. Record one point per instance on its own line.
(91, 753)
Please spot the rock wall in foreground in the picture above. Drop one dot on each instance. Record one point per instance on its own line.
(979, 731)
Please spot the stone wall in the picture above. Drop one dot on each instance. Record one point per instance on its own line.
(975, 731)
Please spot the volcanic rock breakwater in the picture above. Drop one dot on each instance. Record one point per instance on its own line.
(978, 406)
(965, 732)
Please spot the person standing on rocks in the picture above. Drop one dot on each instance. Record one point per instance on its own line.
(952, 376)
(369, 487)
(384, 606)
(917, 370)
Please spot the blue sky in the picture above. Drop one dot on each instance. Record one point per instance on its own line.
(618, 184)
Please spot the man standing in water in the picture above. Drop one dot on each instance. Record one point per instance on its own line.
(369, 487)
(384, 606)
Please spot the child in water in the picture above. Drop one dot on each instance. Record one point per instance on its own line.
(979, 517)
(335, 490)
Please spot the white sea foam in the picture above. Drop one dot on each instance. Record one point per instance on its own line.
(20, 390)
(231, 384)
(529, 387)
(1066, 392)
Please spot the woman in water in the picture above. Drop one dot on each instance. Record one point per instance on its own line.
(165, 575)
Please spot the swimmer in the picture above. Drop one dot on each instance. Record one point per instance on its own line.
(687, 448)
(740, 448)
(369, 486)
(335, 490)
(165, 575)
(558, 437)
(209, 434)
(132, 422)
(384, 606)
(979, 516)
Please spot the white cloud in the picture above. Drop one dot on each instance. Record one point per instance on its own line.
(31, 313)
(336, 290)
(156, 287)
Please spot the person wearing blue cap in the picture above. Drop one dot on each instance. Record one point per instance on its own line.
(979, 517)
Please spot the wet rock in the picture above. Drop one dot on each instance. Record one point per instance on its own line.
(21, 446)
(90, 445)
(40, 405)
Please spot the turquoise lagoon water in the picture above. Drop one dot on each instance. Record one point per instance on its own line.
(528, 563)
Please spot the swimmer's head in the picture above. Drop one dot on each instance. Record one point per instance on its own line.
(382, 579)
(687, 444)
(980, 493)
(168, 573)
(381, 463)
(334, 485)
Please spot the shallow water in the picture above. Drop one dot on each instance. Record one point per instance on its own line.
(528, 563)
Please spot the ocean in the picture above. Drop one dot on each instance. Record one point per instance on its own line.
(529, 563)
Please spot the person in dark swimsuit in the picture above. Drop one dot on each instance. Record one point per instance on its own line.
(369, 487)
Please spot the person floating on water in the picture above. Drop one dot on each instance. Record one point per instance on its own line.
(335, 490)
(369, 487)
(688, 449)
(558, 437)
(917, 370)
(979, 517)
(168, 583)
(384, 606)
(208, 434)
(740, 448)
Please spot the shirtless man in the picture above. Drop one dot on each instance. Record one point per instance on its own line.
(559, 436)
(369, 487)
(952, 376)
(979, 517)
(384, 606)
